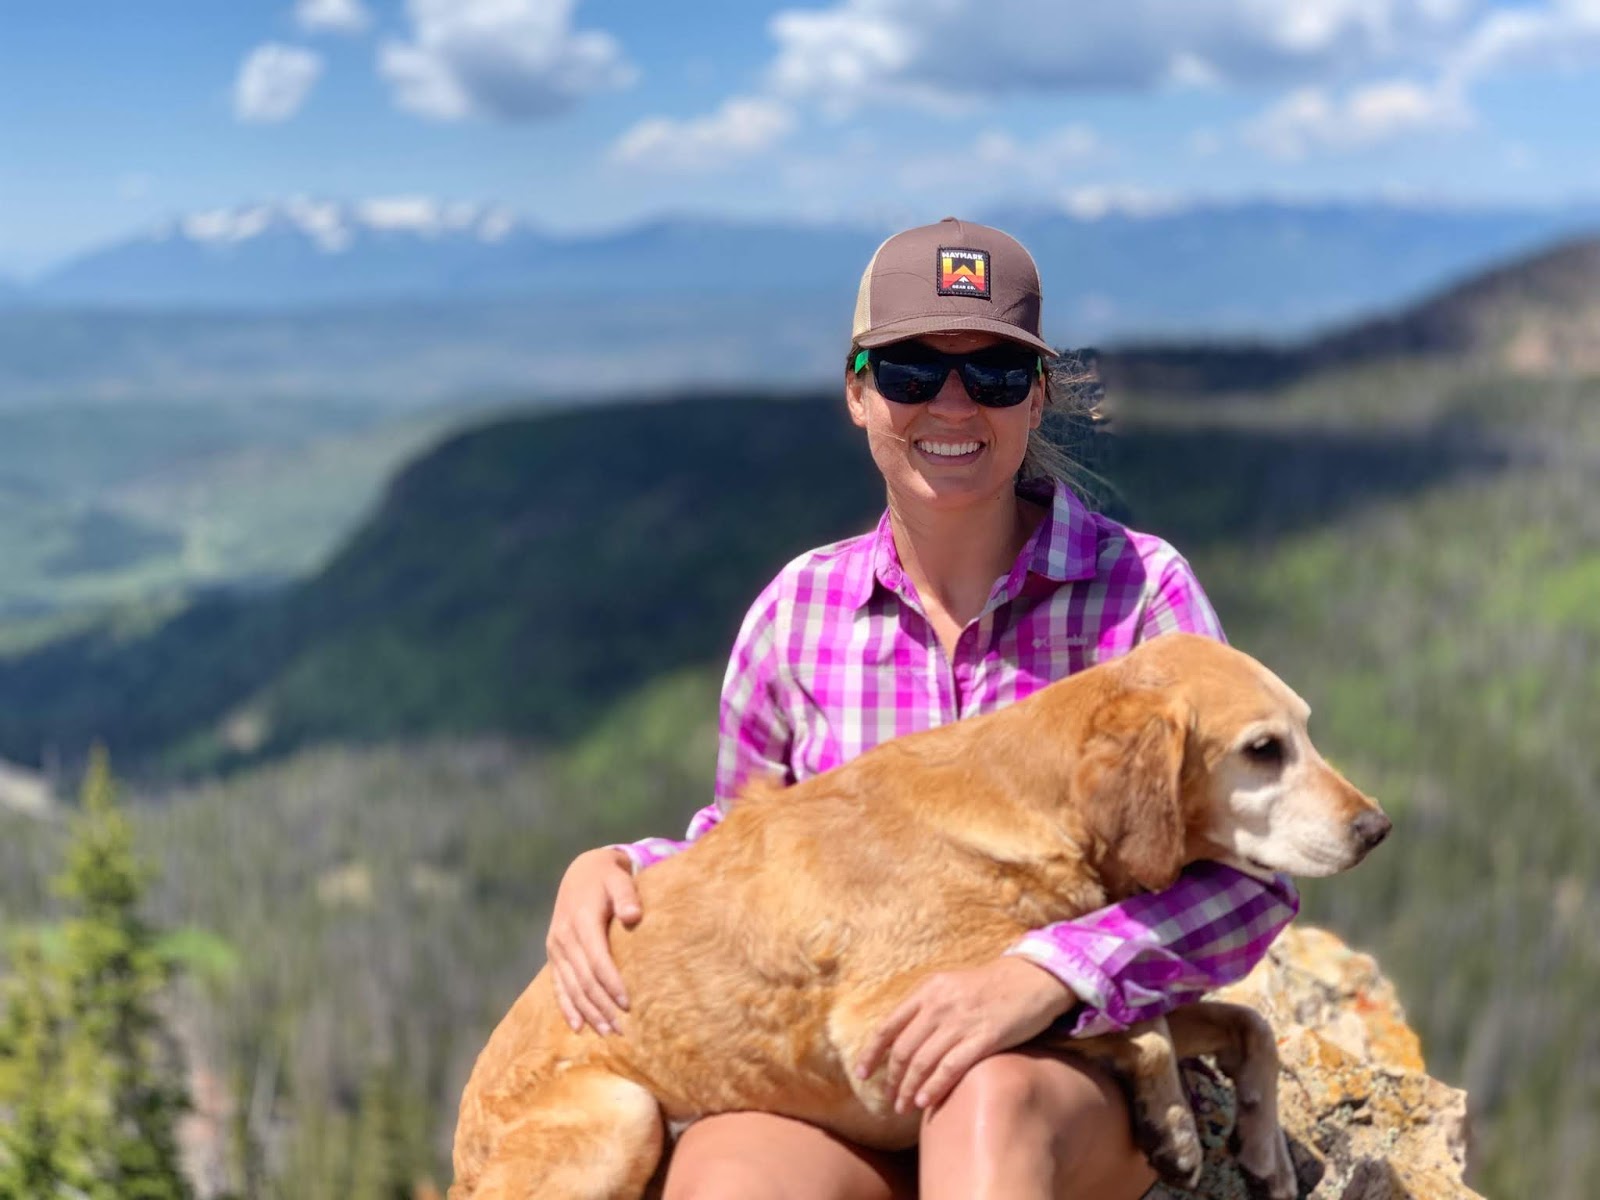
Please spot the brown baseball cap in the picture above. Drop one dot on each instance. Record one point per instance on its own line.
(946, 278)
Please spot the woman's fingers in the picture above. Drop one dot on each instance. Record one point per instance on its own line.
(885, 1037)
(582, 998)
(569, 1011)
(624, 899)
(924, 1062)
(922, 1029)
(960, 1058)
(596, 888)
(593, 997)
(602, 974)
(573, 953)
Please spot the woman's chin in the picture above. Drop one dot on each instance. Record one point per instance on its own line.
(946, 489)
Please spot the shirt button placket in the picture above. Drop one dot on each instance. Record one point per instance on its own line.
(946, 699)
(969, 651)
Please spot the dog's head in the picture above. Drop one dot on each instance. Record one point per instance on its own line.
(1200, 752)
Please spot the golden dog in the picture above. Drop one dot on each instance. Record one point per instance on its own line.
(770, 952)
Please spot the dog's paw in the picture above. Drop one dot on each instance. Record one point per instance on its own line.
(1172, 1144)
(1269, 1168)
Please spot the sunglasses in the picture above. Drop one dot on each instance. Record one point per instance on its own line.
(914, 372)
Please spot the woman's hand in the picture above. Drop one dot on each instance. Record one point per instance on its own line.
(597, 887)
(955, 1018)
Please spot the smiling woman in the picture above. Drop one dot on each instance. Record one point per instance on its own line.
(985, 580)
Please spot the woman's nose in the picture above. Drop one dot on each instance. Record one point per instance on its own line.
(952, 397)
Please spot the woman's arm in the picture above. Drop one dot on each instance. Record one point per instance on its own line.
(1151, 953)
(753, 731)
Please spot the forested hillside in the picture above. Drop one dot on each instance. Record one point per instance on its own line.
(534, 625)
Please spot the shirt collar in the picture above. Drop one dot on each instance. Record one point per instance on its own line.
(1067, 543)
(1064, 546)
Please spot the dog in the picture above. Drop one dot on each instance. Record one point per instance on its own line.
(770, 951)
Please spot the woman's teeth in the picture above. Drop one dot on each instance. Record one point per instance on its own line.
(949, 449)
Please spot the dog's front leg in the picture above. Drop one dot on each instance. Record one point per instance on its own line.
(1144, 1063)
(1246, 1051)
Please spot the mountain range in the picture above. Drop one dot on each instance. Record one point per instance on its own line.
(1269, 269)
(479, 594)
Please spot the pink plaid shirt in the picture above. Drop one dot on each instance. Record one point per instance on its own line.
(836, 656)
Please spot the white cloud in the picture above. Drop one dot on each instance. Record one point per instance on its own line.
(332, 16)
(1560, 35)
(1564, 35)
(1064, 147)
(512, 59)
(1310, 119)
(931, 52)
(273, 82)
(743, 126)
(1094, 201)
(999, 163)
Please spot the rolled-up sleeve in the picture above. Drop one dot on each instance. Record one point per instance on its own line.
(1151, 953)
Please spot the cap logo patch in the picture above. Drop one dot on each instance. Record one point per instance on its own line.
(963, 272)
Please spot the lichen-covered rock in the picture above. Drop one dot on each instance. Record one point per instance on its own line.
(1365, 1121)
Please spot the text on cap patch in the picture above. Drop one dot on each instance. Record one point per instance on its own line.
(963, 272)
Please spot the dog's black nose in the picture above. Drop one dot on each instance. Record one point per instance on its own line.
(1372, 827)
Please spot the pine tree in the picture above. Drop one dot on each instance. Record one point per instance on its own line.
(33, 1106)
(117, 1056)
(383, 1149)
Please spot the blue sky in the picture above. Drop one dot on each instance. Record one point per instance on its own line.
(584, 115)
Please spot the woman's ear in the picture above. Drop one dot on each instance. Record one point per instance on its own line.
(1130, 787)
(853, 398)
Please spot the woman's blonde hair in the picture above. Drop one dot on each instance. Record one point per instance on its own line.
(1072, 395)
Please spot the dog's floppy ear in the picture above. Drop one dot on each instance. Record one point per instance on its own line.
(1129, 784)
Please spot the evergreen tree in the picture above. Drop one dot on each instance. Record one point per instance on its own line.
(33, 1106)
(118, 1057)
(383, 1153)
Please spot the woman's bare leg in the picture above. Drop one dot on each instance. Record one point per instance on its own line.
(758, 1156)
(1027, 1125)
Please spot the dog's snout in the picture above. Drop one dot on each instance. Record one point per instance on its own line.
(1372, 827)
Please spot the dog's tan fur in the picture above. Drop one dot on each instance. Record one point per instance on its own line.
(769, 953)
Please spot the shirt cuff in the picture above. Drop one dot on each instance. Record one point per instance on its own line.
(1095, 990)
(649, 852)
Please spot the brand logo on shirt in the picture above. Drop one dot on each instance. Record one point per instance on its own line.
(963, 272)
(1073, 641)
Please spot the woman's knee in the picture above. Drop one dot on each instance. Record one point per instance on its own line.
(1011, 1099)
(757, 1156)
(1026, 1103)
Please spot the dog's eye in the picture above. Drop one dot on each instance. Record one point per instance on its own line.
(1265, 751)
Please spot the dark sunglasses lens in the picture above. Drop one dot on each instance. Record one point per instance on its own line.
(913, 373)
(908, 382)
(997, 386)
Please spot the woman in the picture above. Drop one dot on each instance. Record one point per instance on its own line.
(985, 580)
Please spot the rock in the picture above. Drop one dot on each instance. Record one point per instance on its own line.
(1365, 1120)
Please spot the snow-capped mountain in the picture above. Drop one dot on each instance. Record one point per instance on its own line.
(1267, 269)
(297, 251)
